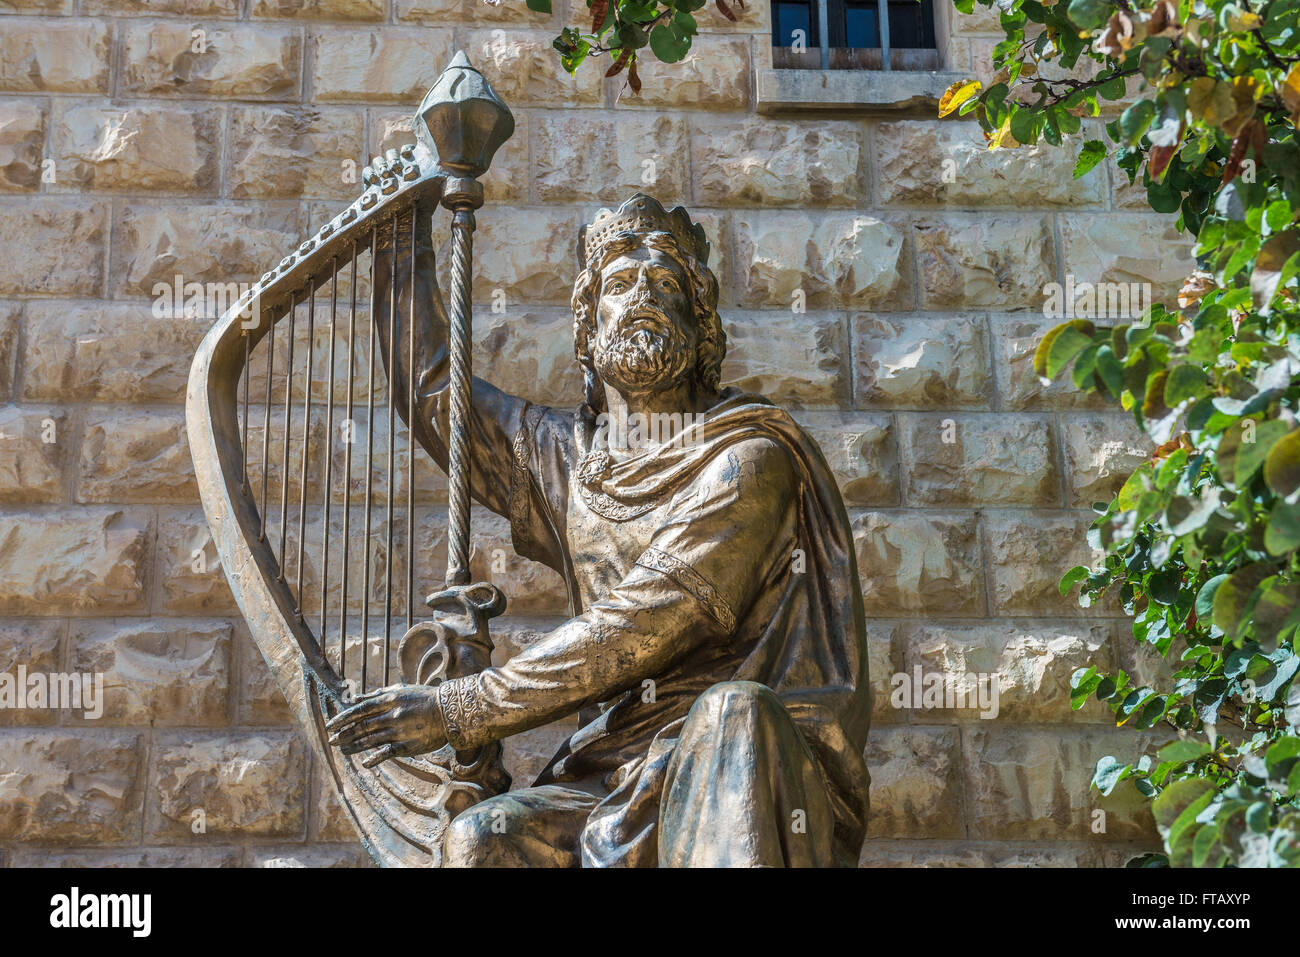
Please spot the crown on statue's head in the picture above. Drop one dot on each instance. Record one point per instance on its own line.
(642, 214)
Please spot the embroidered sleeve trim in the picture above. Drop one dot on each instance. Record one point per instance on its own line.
(461, 712)
(693, 582)
(519, 477)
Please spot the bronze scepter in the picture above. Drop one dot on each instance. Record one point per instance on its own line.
(463, 122)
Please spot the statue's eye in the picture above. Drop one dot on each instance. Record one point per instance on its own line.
(668, 284)
(615, 286)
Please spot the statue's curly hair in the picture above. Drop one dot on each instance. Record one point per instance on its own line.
(712, 343)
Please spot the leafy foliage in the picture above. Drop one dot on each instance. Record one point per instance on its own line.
(623, 28)
(1201, 543)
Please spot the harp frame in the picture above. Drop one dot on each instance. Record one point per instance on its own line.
(401, 807)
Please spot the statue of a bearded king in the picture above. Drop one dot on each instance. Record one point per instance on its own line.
(716, 658)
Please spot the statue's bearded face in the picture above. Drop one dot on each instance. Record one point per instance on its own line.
(646, 337)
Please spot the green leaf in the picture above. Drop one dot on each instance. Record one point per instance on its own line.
(1065, 347)
(1134, 121)
(1183, 751)
(539, 6)
(1282, 466)
(1232, 595)
(1075, 575)
(1283, 532)
(1093, 152)
(1089, 14)
(1205, 597)
(1186, 381)
(1109, 773)
(668, 44)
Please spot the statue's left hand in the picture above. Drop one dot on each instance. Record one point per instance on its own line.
(401, 721)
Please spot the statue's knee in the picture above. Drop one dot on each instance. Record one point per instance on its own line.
(470, 839)
(729, 698)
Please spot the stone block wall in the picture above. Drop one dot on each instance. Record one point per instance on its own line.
(882, 275)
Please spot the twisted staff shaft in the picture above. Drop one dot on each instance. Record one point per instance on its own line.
(458, 462)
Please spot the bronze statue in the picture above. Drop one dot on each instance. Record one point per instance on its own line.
(716, 656)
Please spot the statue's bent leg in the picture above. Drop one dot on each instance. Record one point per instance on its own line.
(532, 827)
(743, 789)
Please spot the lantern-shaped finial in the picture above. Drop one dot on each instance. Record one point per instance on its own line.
(462, 120)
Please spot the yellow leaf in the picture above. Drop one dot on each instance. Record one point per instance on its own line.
(1210, 101)
(1244, 23)
(1291, 94)
(957, 94)
(1002, 138)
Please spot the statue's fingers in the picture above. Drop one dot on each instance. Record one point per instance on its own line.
(391, 751)
(360, 728)
(372, 740)
(362, 709)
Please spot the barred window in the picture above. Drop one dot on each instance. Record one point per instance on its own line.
(853, 35)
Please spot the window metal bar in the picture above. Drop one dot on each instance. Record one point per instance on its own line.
(882, 15)
(824, 33)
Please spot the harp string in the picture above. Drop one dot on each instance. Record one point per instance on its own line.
(347, 470)
(392, 490)
(410, 430)
(329, 464)
(306, 440)
(266, 428)
(370, 450)
(288, 437)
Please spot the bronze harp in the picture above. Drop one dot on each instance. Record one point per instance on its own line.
(321, 561)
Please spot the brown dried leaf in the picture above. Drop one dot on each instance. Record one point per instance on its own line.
(621, 62)
(633, 80)
(725, 10)
(599, 10)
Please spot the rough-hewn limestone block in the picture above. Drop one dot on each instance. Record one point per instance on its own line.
(1031, 661)
(1027, 556)
(138, 147)
(1033, 785)
(913, 562)
(330, 819)
(531, 588)
(580, 157)
(22, 142)
(35, 445)
(9, 314)
(136, 456)
(920, 363)
(981, 20)
(891, 854)
(529, 351)
(526, 755)
(713, 76)
(153, 8)
(861, 451)
(789, 258)
(388, 65)
(148, 857)
(68, 788)
(260, 701)
(527, 255)
(73, 560)
(965, 261)
(982, 459)
(915, 783)
(250, 62)
(217, 244)
(948, 164)
(63, 7)
(54, 247)
(754, 161)
(1014, 340)
(883, 661)
(36, 645)
(277, 151)
(473, 11)
(246, 785)
(795, 359)
(106, 353)
(314, 856)
(320, 9)
(48, 56)
(1101, 452)
(525, 70)
(1127, 249)
(160, 672)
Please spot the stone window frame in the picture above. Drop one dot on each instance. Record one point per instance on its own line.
(780, 90)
